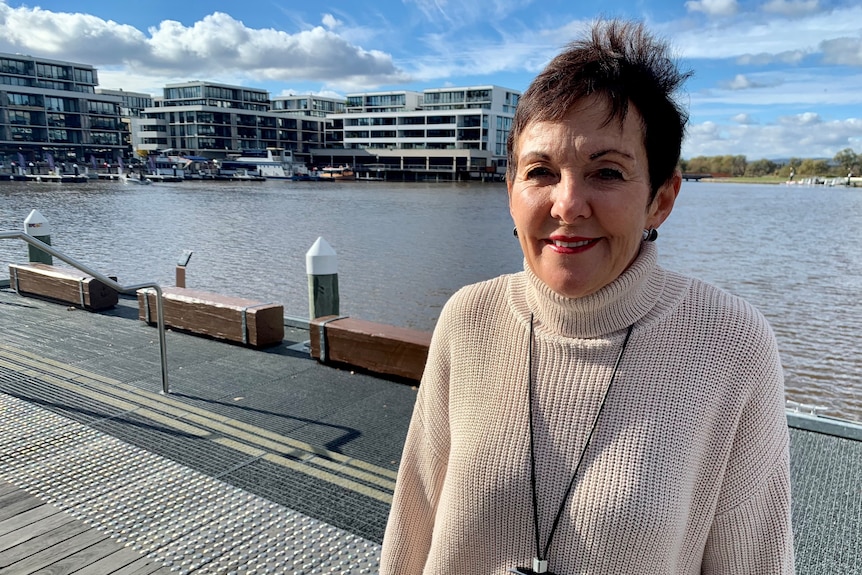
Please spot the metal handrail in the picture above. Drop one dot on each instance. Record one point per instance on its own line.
(160, 315)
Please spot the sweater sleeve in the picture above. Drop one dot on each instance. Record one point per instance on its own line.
(751, 530)
(756, 536)
(410, 528)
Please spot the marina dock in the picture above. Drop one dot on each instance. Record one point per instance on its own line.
(258, 461)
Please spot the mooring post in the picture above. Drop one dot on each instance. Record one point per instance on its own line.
(182, 262)
(37, 226)
(321, 264)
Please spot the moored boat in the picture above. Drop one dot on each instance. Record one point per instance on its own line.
(139, 179)
(274, 163)
(337, 173)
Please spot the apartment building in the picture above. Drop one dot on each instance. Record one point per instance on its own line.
(51, 106)
(132, 106)
(451, 132)
(214, 120)
(308, 105)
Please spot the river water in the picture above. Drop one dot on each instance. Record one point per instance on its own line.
(795, 252)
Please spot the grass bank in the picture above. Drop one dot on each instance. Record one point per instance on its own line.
(749, 180)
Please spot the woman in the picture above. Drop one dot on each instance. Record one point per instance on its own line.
(596, 413)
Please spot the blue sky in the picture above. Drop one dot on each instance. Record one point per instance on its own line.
(773, 79)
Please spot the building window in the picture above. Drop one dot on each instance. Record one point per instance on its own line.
(9, 66)
(51, 71)
(21, 134)
(58, 136)
(85, 76)
(30, 100)
(19, 117)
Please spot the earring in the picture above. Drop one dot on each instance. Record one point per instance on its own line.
(515, 231)
(650, 235)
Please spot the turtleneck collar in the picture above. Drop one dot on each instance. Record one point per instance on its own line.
(613, 308)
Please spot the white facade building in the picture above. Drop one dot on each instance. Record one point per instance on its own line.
(451, 132)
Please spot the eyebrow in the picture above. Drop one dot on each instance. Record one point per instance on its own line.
(532, 156)
(601, 153)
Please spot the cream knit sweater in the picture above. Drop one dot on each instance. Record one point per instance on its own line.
(688, 469)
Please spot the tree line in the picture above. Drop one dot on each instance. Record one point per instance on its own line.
(845, 162)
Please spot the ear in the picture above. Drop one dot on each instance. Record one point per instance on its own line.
(663, 202)
(509, 193)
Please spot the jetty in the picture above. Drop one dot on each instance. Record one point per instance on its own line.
(257, 460)
(696, 177)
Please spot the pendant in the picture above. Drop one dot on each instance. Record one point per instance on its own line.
(540, 566)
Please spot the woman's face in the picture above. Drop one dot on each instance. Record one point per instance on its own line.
(580, 197)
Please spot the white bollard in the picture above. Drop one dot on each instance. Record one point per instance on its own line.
(321, 264)
(37, 225)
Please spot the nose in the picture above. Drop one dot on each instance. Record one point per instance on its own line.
(570, 199)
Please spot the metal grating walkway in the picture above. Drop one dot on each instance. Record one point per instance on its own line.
(189, 521)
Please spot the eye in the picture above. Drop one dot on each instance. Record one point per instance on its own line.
(610, 174)
(538, 172)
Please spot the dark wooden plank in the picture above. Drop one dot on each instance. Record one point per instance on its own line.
(27, 518)
(6, 487)
(88, 556)
(38, 540)
(120, 561)
(83, 537)
(16, 502)
(28, 530)
(40, 543)
(143, 566)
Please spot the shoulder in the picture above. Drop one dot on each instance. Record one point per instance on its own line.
(726, 311)
(714, 329)
(478, 299)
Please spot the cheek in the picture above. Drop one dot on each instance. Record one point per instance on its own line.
(526, 206)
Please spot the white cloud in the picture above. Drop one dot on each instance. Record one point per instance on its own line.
(739, 82)
(781, 139)
(744, 119)
(806, 119)
(465, 13)
(66, 36)
(331, 22)
(842, 51)
(773, 39)
(215, 47)
(713, 7)
(791, 57)
(787, 89)
(751, 81)
(791, 7)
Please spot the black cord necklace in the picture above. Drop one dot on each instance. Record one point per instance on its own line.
(540, 561)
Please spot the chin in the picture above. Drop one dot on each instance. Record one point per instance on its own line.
(570, 289)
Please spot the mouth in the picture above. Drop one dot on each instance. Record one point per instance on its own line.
(568, 245)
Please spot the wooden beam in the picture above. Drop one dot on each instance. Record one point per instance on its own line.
(230, 318)
(375, 347)
(58, 284)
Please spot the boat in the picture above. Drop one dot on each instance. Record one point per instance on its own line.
(309, 177)
(140, 180)
(341, 173)
(243, 175)
(271, 163)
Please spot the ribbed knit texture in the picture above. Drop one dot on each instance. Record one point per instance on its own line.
(688, 469)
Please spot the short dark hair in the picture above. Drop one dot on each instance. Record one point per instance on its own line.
(621, 61)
